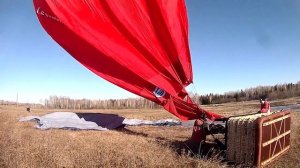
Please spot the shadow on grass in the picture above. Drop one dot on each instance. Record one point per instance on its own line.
(130, 132)
(204, 150)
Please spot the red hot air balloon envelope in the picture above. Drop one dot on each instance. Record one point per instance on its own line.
(139, 45)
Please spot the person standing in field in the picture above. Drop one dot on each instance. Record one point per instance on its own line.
(264, 105)
(199, 134)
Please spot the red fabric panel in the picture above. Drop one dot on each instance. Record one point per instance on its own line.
(137, 45)
(188, 111)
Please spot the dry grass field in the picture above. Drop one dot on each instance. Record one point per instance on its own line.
(22, 145)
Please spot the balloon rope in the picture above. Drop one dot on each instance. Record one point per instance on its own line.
(193, 91)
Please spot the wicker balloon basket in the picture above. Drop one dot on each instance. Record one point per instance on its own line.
(257, 139)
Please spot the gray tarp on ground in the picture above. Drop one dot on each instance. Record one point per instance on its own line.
(90, 121)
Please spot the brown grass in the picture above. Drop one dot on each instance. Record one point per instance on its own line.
(21, 145)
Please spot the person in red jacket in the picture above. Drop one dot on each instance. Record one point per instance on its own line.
(264, 105)
(199, 133)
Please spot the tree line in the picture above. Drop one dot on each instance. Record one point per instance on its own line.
(279, 91)
(68, 103)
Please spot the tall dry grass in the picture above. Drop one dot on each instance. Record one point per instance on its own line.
(21, 145)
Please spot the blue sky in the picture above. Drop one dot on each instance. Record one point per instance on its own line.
(234, 45)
